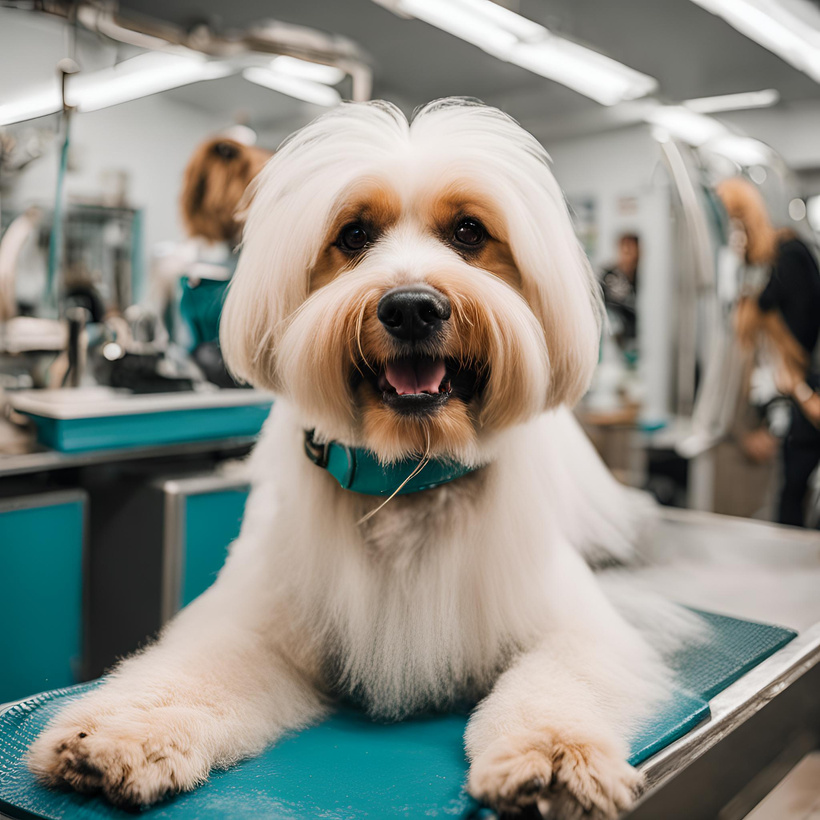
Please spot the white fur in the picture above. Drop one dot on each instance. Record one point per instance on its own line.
(473, 590)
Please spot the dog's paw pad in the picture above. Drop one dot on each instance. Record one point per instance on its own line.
(556, 772)
(135, 757)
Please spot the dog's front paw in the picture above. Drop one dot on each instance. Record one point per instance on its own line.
(134, 756)
(565, 776)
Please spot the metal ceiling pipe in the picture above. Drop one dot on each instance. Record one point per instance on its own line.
(260, 40)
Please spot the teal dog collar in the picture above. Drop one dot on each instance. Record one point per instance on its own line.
(359, 471)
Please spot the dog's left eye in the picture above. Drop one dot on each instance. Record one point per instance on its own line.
(353, 237)
(470, 232)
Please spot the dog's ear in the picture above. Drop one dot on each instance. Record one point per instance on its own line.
(246, 336)
(562, 291)
(278, 244)
(252, 318)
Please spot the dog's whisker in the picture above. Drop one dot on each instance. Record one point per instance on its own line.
(425, 460)
(359, 324)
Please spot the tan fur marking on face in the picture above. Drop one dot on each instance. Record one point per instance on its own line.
(482, 334)
(480, 343)
(450, 428)
(457, 203)
(376, 206)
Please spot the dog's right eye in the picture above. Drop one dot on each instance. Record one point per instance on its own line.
(352, 238)
(470, 232)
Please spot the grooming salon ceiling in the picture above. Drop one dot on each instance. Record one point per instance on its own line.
(689, 51)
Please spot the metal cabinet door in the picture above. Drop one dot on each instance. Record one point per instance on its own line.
(42, 545)
(202, 517)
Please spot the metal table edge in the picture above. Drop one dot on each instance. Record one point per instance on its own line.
(736, 704)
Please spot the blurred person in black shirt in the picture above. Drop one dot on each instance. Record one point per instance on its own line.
(619, 284)
(787, 315)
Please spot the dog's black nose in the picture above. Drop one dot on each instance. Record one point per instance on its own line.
(413, 313)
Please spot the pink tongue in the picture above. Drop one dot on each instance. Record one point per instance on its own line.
(423, 376)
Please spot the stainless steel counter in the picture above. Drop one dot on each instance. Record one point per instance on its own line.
(763, 724)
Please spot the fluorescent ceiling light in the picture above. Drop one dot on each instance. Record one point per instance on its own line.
(306, 90)
(522, 27)
(155, 71)
(521, 41)
(744, 151)
(777, 27)
(458, 18)
(595, 76)
(734, 102)
(306, 70)
(38, 103)
(141, 76)
(683, 124)
(705, 132)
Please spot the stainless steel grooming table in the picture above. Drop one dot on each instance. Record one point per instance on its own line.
(762, 725)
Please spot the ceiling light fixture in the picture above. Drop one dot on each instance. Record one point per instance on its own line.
(141, 76)
(37, 103)
(306, 70)
(734, 102)
(701, 131)
(683, 124)
(745, 151)
(525, 43)
(155, 71)
(776, 26)
(137, 77)
(306, 90)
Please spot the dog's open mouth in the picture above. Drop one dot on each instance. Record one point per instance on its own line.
(415, 377)
(420, 384)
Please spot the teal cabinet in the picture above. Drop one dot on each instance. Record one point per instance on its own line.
(202, 517)
(42, 540)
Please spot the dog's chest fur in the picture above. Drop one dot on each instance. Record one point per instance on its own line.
(417, 622)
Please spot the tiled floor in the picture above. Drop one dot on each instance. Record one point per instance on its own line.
(797, 797)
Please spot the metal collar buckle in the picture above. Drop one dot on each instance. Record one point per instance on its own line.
(316, 452)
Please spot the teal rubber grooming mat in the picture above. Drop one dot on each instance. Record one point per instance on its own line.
(348, 767)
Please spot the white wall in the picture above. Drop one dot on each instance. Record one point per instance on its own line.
(613, 168)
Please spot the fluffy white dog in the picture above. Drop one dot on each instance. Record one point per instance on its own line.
(415, 295)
